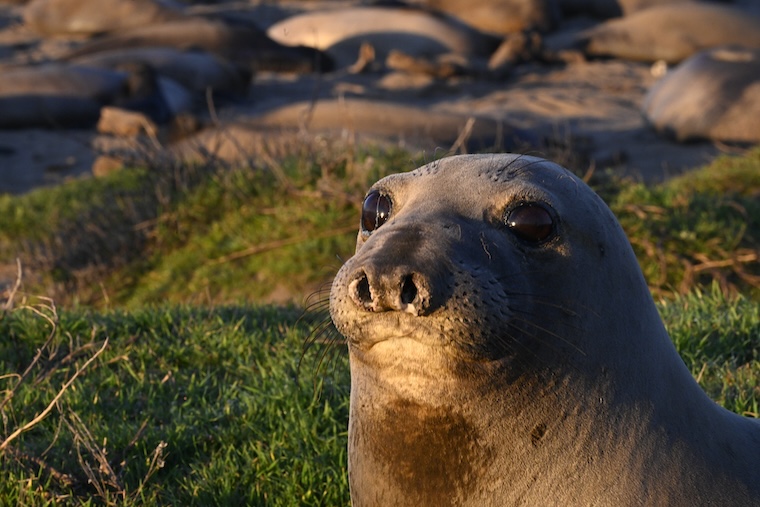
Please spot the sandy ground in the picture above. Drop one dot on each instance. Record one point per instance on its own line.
(589, 105)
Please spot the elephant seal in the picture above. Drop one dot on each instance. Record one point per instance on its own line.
(57, 95)
(398, 122)
(341, 32)
(240, 43)
(282, 130)
(501, 17)
(505, 349)
(673, 32)
(610, 8)
(195, 70)
(713, 95)
(56, 17)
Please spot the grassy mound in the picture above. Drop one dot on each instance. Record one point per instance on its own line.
(274, 233)
(208, 234)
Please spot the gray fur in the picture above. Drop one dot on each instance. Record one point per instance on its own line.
(519, 373)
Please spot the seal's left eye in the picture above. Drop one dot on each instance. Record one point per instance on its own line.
(375, 210)
(530, 221)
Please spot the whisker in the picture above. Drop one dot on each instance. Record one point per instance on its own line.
(550, 333)
(546, 302)
(543, 317)
(318, 308)
(532, 352)
(319, 293)
(560, 305)
(513, 168)
(516, 343)
(326, 356)
(523, 356)
(323, 333)
(323, 328)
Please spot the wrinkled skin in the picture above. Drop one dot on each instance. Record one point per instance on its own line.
(504, 365)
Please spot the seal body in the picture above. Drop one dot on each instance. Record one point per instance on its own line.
(340, 32)
(55, 94)
(242, 44)
(674, 32)
(714, 94)
(56, 17)
(195, 70)
(505, 350)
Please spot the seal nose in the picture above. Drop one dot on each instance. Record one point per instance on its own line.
(395, 291)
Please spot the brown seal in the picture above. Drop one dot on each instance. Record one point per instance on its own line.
(673, 32)
(341, 32)
(713, 95)
(55, 17)
(59, 95)
(505, 350)
(241, 43)
(403, 123)
(500, 17)
(195, 70)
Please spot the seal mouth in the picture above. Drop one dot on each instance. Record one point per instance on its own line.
(370, 328)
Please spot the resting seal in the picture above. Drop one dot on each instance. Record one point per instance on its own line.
(397, 122)
(673, 32)
(505, 350)
(56, 17)
(502, 17)
(240, 43)
(341, 32)
(713, 95)
(59, 95)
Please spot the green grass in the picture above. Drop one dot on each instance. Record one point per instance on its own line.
(193, 234)
(719, 340)
(701, 228)
(274, 233)
(222, 389)
(241, 423)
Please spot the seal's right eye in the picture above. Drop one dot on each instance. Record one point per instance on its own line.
(375, 210)
(531, 222)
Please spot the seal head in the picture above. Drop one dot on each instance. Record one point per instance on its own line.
(505, 350)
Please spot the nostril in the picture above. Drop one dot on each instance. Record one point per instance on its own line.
(387, 292)
(362, 290)
(408, 290)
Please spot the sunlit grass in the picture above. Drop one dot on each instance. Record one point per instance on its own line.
(237, 413)
(699, 228)
(213, 234)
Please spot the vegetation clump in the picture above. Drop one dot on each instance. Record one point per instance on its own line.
(698, 228)
(214, 234)
(168, 406)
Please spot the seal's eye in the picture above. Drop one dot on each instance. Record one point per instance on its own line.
(375, 210)
(530, 221)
